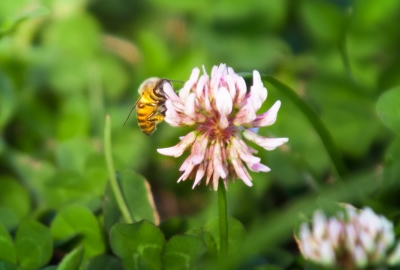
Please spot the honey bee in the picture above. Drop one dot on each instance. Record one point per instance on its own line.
(150, 106)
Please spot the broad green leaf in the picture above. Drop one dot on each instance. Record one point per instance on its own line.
(138, 196)
(183, 252)
(10, 23)
(34, 173)
(104, 262)
(72, 260)
(139, 245)
(7, 266)
(52, 267)
(7, 247)
(236, 233)
(7, 99)
(34, 245)
(388, 108)
(14, 202)
(77, 220)
(67, 187)
(74, 121)
(72, 154)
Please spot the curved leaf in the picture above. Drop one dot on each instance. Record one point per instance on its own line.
(77, 220)
(34, 245)
(139, 245)
(388, 108)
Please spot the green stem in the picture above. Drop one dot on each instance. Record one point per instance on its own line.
(111, 173)
(223, 219)
(315, 121)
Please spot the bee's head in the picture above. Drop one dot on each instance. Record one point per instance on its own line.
(149, 83)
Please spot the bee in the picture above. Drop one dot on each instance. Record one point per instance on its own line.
(150, 106)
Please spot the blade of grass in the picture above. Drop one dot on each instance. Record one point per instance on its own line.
(111, 172)
(315, 121)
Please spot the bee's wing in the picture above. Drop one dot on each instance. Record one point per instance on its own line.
(134, 106)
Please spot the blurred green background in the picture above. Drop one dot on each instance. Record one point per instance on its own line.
(65, 64)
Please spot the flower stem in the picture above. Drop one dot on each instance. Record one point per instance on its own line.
(111, 173)
(223, 220)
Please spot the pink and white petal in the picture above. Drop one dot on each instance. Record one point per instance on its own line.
(210, 171)
(200, 172)
(190, 106)
(199, 149)
(201, 87)
(244, 152)
(218, 166)
(240, 172)
(184, 92)
(177, 150)
(269, 117)
(187, 172)
(258, 167)
(170, 93)
(246, 115)
(241, 90)
(230, 82)
(245, 146)
(258, 93)
(223, 101)
(266, 143)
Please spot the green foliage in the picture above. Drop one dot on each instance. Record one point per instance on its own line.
(7, 247)
(139, 245)
(65, 64)
(73, 260)
(389, 110)
(183, 252)
(14, 202)
(33, 244)
(76, 220)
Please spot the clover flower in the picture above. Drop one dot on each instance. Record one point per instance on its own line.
(222, 112)
(357, 239)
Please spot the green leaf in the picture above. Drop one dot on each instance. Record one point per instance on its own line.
(138, 196)
(236, 233)
(7, 247)
(139, 200)
(77, 220)
(72, 260)
(104, 262)
(14, 202)
(34, 173)
(7, 266)
(10, 23)
(7, 100)
(139, 245)
(388, 108)
(34, 245)
(183, 252)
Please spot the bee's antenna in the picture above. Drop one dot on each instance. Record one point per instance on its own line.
(131, 111)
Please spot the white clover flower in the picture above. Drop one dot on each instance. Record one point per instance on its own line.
(356, 240)
(222, 112)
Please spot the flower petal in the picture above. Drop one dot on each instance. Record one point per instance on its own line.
(246, 115)
(266, 143)
(190, 105)
(199, 149)
(177, 150)
(184, 92)
(269, 117)
(170, 93)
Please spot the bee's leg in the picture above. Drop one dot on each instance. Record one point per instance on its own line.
(155, 117)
